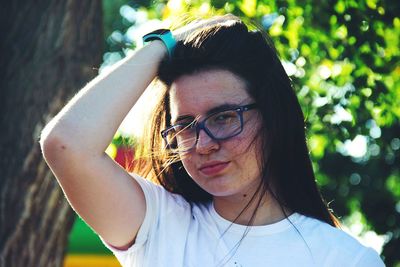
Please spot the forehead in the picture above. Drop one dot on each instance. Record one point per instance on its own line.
(197, 93)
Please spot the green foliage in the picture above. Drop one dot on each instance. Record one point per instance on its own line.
(83, 240)
(343, 58)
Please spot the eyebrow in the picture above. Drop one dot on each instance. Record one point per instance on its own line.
(213, 110)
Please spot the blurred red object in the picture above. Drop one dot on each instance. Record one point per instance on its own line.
(125, 157)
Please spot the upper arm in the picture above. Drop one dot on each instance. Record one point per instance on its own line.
(99, 190)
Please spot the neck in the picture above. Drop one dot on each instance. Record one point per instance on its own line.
(241, 209)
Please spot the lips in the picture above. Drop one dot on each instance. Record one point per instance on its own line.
(213, 167)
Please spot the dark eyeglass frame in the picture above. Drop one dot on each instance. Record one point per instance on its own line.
(201, 125)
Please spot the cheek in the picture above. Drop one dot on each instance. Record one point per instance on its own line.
(238, 147)
(246, 153)
(189, 164)
(245, 144)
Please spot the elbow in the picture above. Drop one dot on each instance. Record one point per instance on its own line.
(47, 137)
(53, 144)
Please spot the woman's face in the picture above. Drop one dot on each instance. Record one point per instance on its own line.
(226, 168)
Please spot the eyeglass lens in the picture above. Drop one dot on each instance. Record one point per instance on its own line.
(219, 126)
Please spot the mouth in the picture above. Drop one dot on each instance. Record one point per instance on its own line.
(213, 168)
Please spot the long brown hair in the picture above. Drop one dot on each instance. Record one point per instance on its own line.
(286, 166)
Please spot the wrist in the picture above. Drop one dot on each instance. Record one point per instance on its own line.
(163, 35)
(158, 48)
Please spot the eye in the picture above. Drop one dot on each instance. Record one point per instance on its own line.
(224, 117)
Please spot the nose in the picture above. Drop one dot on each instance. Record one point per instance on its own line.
(205, 144)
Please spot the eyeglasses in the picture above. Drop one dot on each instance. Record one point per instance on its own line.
(219, 126)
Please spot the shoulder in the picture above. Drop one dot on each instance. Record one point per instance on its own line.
(337, 245)
(330, 235)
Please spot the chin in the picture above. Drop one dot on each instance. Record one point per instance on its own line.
(220, 190)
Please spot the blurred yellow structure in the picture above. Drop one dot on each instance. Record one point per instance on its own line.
(87, 260)
(86, 250)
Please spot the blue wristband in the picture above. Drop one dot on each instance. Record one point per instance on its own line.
(165, 36)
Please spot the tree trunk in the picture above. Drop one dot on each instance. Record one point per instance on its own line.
(49, 49)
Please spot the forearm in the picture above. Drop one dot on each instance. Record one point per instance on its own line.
(92, 117)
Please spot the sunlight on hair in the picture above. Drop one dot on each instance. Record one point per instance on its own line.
(134, 123)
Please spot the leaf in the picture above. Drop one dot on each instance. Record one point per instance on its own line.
(248, 7)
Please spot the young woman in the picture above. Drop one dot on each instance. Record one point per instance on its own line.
(227, 147)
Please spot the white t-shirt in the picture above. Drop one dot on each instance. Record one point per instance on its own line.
(174, 233)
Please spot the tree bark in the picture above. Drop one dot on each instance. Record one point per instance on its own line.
(49, 50)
